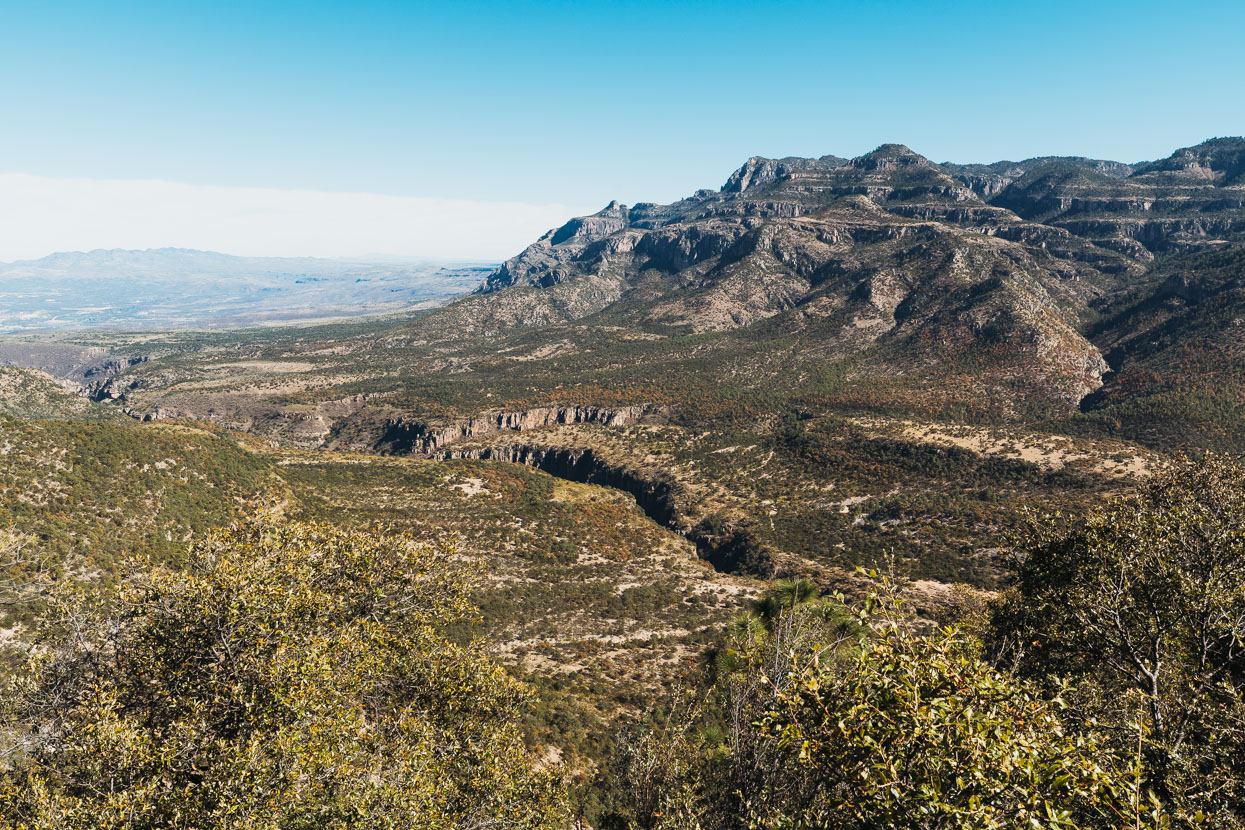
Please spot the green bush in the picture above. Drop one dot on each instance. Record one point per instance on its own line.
(1142, 605)
(817, 719)
(292, 676)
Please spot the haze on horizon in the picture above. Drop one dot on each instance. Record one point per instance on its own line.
(463, 132)
(43, 215)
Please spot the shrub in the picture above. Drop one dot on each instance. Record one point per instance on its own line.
(820, 719)
(1142, 605)
(292, 676)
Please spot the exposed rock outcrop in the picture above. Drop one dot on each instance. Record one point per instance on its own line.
(758, 171)
(1157, 235)
(97, 381)
(401, 436)
(727, 548)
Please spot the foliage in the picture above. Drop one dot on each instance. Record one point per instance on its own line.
(89, 493)
(821, 720)
(920, 732)
(21, 568)
(292, 676)
(32, 394)
(585, 596)
(1143, 605)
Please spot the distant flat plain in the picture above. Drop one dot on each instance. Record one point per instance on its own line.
(171, 288)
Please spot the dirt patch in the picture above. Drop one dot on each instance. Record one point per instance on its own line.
(470, 486)
(1050, 452)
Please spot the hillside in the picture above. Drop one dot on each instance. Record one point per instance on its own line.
(34, 393)
(635, 424)
(90, 494)
(576, 576)
(1021, 333)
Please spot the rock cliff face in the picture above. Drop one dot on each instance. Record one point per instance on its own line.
(997, 266)
(726, 548)
(758, 171)
(400, 436)
(546, 262)
(97, 381)
(658, 497)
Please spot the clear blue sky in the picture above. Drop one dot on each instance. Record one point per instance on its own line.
(578, 103)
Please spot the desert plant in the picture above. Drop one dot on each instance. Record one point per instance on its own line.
(1142, 605)
(292, 676)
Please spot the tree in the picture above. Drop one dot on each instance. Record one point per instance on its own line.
(696, 760)
(293, 676)
(21, 569)
(1143, 606)
(917, 731)
(838, 721)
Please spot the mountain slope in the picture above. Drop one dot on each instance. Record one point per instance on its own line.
(898, 265)
(737, 350)
(29, 393)
(1176, 344)
(953, 278)
(946, 291)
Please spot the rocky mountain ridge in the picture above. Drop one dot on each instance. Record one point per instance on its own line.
(898, 263)
(1206, 179)
(1069, 294)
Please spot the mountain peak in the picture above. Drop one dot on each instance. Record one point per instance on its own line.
(1216, 159)
(759, 170)
(891, 156)
(614, 209)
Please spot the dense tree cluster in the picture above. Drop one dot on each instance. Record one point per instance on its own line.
(1142, 608)
(814, 720)
(292, 676)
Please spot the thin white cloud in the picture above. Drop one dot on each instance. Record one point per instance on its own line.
(41, 215)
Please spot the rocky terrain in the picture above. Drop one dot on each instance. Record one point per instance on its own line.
(576, 582)
(636, 422)
(899, 266)
(789, 352)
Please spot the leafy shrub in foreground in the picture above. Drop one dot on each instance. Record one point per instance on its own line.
(912, 732)
(1142, 607)
(292, 676)
(816, 720)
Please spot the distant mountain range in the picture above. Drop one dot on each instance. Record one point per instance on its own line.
(175, 287)
(823, 361)
(1049, 284)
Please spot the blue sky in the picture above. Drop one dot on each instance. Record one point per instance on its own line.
(569, 105)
